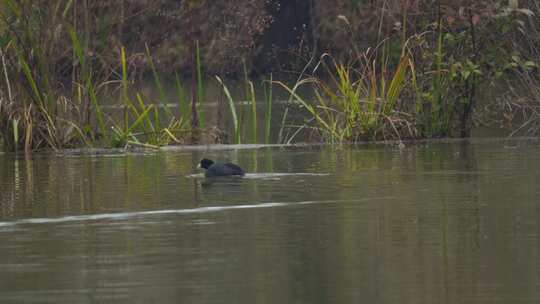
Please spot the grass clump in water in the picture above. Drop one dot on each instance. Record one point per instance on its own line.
(239, 125)
(49, 106)
(357, 102)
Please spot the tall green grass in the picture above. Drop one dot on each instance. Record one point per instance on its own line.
(253, 103)
(267, 85)
(158, 83)
(183, 104)
(232, 107)
(239, 127)
(200, 85)
(436, 121)
(142, 119)
(35, 114)
(357, 103)
(40, 112)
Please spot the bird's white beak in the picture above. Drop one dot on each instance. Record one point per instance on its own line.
(199, 166)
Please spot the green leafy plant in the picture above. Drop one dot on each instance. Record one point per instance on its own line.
(35, 113)
(358, 103)
(232, 107)
(268, 109)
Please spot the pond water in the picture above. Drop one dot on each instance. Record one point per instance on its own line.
(447, 222)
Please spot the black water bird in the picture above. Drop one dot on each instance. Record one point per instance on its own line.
(220, 169)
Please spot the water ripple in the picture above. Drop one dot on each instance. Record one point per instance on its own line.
(128, 215)
(266, 175)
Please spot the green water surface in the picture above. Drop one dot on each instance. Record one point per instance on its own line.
(454, 222)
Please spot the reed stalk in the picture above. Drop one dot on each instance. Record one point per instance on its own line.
(232, 107)
(125, 88)
(200, 86)
(183, 106)
(268, 113)
(157, 82)
(253, 103)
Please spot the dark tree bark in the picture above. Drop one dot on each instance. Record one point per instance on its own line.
(291, 28)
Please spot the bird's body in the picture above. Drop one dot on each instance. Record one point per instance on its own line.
(220, 169)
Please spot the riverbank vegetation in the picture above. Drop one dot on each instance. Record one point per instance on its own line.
(352, 70)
